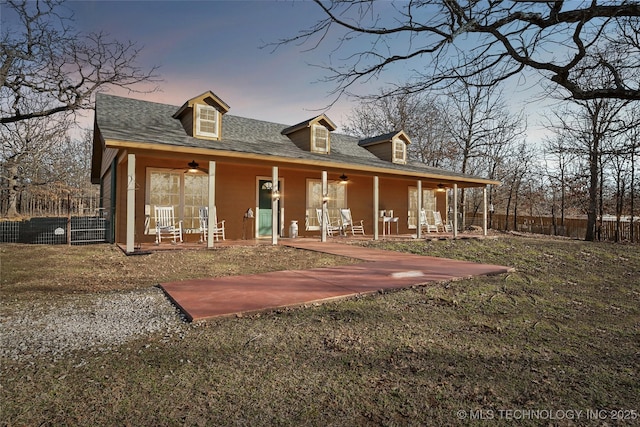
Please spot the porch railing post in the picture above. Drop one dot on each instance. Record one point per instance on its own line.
(275, 198)
(325, 195)
(484, 210)
(455, 210)
(419, 203)
(212, 202)
(376, 206)
(131, 202)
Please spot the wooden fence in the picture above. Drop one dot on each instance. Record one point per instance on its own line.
(573, 227)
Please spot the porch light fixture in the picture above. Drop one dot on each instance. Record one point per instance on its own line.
(344, 179)
(194, 167)
(441, 188)
(275, 194)
(325, 198)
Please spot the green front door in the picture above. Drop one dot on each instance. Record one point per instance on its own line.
(265, 211)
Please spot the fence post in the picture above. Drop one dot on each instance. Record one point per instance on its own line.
(68, 219)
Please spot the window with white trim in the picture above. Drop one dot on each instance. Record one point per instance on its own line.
(186, 192)
(399, 151)
(319, 139)
(206, 121)
(337, 199)
(428, 204)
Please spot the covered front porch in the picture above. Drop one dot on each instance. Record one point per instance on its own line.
(260, 201)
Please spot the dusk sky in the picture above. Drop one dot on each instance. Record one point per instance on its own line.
(216, 45)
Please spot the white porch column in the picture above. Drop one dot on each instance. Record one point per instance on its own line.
(131, 202)
(484, 210)
(455, 210)
(325, 191)
(376, 206)
(212, 202)
(418, 228)
(275, 197)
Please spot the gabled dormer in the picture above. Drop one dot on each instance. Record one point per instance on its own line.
(312, 135)
(201, 116)
(391, 147)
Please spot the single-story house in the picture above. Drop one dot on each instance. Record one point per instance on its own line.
(147, 154)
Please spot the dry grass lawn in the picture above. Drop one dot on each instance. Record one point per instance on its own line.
(553, 343)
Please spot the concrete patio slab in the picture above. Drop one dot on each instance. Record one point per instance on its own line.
(382, 270)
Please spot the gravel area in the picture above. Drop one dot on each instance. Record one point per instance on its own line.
(87, 321)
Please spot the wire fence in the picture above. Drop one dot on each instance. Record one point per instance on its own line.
(57, 230)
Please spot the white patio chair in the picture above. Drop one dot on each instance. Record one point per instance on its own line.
(347, 223)
(332, 227)
(439, 224)
(218, 226)
(166, 224)
(424, 223)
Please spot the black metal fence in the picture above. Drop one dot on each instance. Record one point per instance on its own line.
(83, 230)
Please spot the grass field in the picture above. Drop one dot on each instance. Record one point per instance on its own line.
(557, 342)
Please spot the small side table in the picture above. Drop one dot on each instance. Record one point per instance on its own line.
(247, 227)
(386, 224)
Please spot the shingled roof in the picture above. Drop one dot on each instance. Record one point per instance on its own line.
(120, 119)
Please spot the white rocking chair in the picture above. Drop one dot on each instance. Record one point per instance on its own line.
(331, 227)
(424, 223)
(347, 223)
(166, 224)
(217, 229)
(439, 224)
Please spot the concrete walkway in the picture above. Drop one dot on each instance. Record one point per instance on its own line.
(202, 299)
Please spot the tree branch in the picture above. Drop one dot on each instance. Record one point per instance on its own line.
(549, 37)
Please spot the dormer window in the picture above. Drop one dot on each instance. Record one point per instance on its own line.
(206, 121)
(320, 139)
(391, 147)
(399, 151)
(201, 117)
(313, 135)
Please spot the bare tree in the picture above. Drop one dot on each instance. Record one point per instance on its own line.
(590, 123)
(618, 165)
(517, 178)
(47, 68)
(422, 117)
(48, 71)
(29, 149)
(506, 37)
(480, 127)
(558, 161)
(634, 152)
(620, 174)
